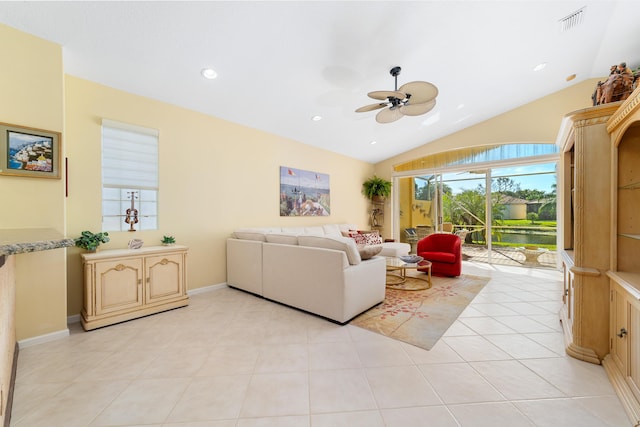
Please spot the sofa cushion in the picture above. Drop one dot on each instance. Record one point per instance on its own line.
(331, 229)
(316, 231)
(395, 249)
(439, 256)
(369, 251)
(282, 238)
(293, 230)
(340, 243)
(252, 233)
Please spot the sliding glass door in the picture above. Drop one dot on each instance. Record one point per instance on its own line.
(503, 214)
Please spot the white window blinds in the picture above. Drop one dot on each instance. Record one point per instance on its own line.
(129, 156)
(129, 177)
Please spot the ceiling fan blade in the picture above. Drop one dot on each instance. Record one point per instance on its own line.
(417, 109)
(421, 92)
(388, 115)
(371, 107)
(384, 94)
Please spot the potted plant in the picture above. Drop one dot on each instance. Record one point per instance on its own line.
(168, 240)
(376, 188)
(90, 241)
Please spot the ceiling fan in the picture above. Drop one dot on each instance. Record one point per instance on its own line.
(411, 99)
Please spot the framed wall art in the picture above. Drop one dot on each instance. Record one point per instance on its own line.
(304, 193)
(29, 152)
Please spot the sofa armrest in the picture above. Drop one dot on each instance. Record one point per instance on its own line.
(244, 265)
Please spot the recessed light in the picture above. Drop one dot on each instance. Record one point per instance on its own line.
(540, 66)
(373, 142)
(316, 118)
(208, 73)
(460, 106)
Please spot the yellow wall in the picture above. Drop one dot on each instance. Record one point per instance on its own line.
(536, 122)
(215, 176)
(31, 84)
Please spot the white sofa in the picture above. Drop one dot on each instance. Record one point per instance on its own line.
(315, 269)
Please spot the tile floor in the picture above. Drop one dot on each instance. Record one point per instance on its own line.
(231, 359)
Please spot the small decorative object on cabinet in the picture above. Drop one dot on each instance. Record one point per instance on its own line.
(135, 243)
(125, 284)
(90, 241)
(623, 362)
(168, 240)
(584, 217)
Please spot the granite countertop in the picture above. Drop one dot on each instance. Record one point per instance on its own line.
(19, 241)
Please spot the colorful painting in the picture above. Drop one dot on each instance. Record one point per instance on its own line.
(304, 193)
(29, 152)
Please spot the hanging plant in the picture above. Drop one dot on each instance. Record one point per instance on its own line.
(376, 187)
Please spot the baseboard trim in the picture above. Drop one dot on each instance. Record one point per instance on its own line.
(53, 336)
(76, 317)
(12, 384)
(207, 289)
(73, 319)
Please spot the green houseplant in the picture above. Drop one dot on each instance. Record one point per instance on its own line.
(376, 188)
(168, 240)
(91, 241)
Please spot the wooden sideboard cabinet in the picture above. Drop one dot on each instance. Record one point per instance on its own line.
(125, 284)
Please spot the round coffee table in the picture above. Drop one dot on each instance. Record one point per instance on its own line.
(397, 274)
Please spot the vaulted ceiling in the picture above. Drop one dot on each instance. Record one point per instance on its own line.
(281, 63)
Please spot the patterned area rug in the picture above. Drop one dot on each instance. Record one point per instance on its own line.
(421, 317)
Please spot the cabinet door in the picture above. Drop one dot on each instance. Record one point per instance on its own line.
(118, 285)
(619, 329)
(165, 278)
(634, 347)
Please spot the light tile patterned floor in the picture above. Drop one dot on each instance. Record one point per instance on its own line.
(231, 359)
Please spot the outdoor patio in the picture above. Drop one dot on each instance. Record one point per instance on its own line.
(507, 256)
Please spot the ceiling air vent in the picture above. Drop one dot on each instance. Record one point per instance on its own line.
(572, 20)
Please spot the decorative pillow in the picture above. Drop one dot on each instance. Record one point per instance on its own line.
(359, 238)
(339, 243)
(367, 252)
(372, 238)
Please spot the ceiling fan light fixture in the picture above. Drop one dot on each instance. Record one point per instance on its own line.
(411, 99)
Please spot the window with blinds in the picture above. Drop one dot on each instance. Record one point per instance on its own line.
(129, 177)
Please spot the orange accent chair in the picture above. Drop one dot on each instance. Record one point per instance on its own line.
(444, 250)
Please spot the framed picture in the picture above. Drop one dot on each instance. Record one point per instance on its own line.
(29, 152)
(304, 193)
